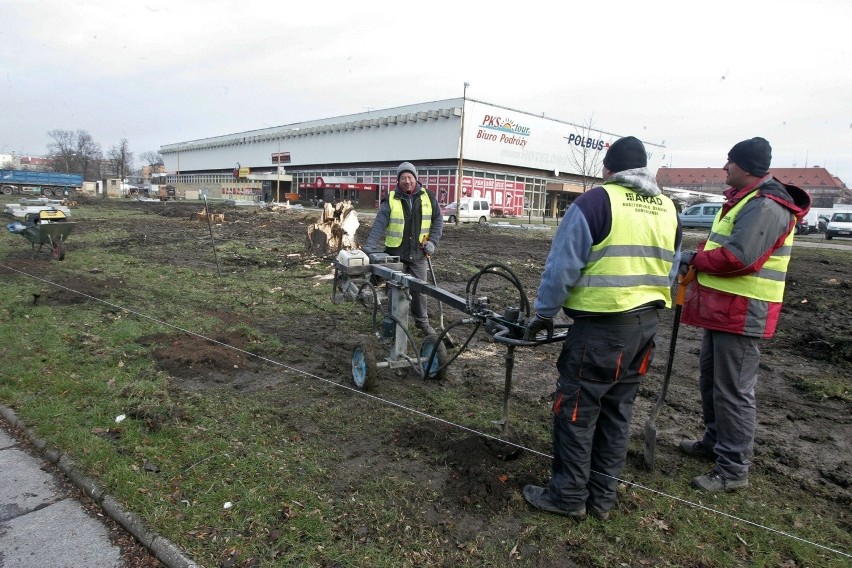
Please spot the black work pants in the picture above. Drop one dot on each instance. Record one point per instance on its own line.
(601, 366)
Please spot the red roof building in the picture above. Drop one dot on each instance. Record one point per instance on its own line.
(824, 188)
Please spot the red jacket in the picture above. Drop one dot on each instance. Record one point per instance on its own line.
(759, 229)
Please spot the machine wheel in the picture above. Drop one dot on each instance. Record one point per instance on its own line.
(364, 368)
(483, 221)
(58, 250)
(451, 219)
(437, 369)
(6, 189)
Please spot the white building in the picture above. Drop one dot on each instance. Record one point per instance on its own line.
(523, 163)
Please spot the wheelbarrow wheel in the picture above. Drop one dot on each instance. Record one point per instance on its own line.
(58, 250)
(438, 368)
(364, 367)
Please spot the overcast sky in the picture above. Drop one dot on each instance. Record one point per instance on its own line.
(694, 76)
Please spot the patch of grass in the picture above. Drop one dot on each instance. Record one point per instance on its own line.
(315, 474)
(822, 386)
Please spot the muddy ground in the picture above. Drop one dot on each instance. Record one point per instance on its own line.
(802, 436)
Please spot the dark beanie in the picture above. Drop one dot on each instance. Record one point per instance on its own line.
(625, 154)
(752, 156)
(406, 167)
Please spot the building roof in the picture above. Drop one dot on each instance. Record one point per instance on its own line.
(35, 161)
(806, 178)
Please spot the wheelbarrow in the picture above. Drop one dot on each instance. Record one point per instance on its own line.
(48, 228)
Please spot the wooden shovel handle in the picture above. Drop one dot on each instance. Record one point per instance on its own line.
(683, 281)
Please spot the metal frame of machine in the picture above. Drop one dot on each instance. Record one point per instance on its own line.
(378, 282)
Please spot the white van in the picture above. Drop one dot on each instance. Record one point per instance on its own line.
(840, 225)
(470, 210)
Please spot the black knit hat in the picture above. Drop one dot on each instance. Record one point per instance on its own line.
(625, 154)
(752, 156)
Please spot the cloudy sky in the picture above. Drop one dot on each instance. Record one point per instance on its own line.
(694, 76)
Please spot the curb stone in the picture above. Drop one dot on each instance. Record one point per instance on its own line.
(163, 549)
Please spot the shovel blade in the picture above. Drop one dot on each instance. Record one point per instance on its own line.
(448, 341)
(650, 445)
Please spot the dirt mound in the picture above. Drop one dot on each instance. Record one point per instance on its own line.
(191, 359)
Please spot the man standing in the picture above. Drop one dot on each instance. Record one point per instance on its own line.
(611, 266)
(736, 298)
(411, 222)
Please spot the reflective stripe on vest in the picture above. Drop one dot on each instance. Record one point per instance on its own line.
(631, 266)
(768, 283)
(396, 224)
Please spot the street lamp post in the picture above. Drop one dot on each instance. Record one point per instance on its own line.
(461, 155)
(278, 172)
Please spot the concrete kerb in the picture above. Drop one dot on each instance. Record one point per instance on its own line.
(163, 549)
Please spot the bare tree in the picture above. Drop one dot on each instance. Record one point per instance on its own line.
(89, 155)
(121, 159)
(151, 158)
(62, 151)
(586, 152)
(75, 152)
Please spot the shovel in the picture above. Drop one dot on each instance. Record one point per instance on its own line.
(447, 340)
(651, 428)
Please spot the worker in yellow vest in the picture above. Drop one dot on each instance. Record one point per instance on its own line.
(736, 297)
(410, 222)
(611, 267)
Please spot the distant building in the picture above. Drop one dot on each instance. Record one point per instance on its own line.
(824, 188)
(35, 164)
(29, 163)
(9, 162)
(523, 163)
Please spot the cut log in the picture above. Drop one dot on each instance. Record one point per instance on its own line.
(335, 230)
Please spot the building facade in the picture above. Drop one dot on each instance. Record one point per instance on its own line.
(825, 189)
(525, 164)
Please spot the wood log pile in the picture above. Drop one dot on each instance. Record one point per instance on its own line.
(334, 231)
(214, 217)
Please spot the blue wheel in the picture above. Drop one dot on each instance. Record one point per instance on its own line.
(437, 368)
(364, 367)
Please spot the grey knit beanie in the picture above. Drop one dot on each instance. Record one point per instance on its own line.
(406, 167)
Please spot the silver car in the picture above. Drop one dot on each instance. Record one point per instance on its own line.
(700, 215)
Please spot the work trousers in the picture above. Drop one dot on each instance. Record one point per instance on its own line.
(418, 269)
(601, 366)
(728, 366)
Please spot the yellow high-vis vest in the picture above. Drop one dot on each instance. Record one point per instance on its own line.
(631, 266)
(396, 224)
(768, 283)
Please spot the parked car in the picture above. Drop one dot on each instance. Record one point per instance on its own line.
(470, 210)
(822, 223)
(700, 215)
(840, 225)
(802, 227)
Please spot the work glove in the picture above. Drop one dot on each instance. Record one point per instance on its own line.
(685, 261)
(429, 248)
(537, 324)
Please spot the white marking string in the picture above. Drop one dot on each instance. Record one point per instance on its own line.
(427, 415)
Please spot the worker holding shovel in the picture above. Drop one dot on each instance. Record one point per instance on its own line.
(736, 298)
(610, 268)
(409, 213)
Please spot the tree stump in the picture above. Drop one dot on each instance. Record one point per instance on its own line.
(335, 230)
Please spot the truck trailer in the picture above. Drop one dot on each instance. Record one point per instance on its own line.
(39, 183)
